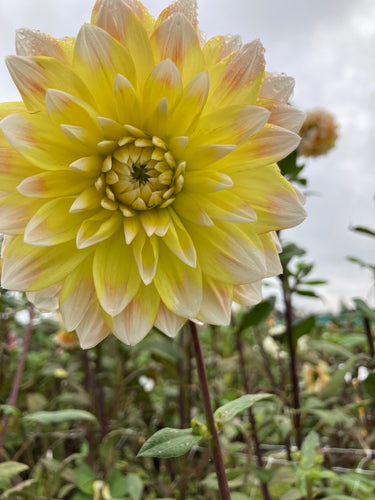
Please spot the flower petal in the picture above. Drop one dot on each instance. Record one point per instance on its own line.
(179, 241)
(216, 305)
(34, 75)
(134, 322)
(52, 224)
(27, 267)
(46, 300)
(92, 329)
(98, 58)
(53, 184)
(187, 208)
(77, 294)
(113, 8)
(226, 206)
(128, 109)
(15, 213)
(163, 82)
(249, 294)
(98, 228)
(277, 86)
(146, 252)
(206, 181)
(115, 274)
(189, 8)
(176, 39)
(34, 43)
(179, 286)
(168, 322)
(120, 20)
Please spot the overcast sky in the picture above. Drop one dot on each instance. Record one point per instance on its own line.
(329, 48)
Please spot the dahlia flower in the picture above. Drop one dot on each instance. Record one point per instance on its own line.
(139, 178)
(318, 132)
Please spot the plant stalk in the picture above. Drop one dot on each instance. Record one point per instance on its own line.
(370, 340)
(20, 368)
(215, 443)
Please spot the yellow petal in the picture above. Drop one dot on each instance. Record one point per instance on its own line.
(34, 75)
(52, 224)
(163, 82)
(199, 157)
(13, 169)
(226, 206)
(168, 322)
(115, 273)
(15, 212)
(90, 165)
(134, 322)
(98, 58)
(146, 253)
(219, 47)
(53, 184)
(179, 241)
(206, 181)
(187, 208)
(34, 43)
(249, 294)
(127, 105)
(131, 228)
(77, 294)
(39, 140)
(122, 22)
(176, 39)
(93, 328)
(110, 9)
(27, 267)
(89, 199)
(98, 228)
(179, 286)
(216, 303)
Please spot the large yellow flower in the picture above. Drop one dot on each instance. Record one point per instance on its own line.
(139, 181)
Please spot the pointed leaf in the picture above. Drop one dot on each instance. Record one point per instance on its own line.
(228, 411)
(169, 443)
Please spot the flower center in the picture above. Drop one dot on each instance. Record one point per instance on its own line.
(139, 174)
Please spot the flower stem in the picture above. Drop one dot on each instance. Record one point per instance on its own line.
(18, 377)
(215, 443)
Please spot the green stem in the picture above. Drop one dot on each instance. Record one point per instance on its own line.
(215, 443)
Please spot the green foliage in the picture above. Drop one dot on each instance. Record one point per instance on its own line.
(168, 443)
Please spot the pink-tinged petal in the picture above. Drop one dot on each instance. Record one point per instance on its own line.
(31, 268)
(119, 20)
(93, 328)
(63, 108)
(98, 228)
(275, 201)
(216, 303)
(128, 109)
(15, 212)
(89, 199)
(13, 169)
(52, 224)
(39, 140)
(189, 8)
(179, 241)
(115, 273)
(34, 75)
(206, 181)
(231, 251)
(226, 206)
(271, 253)
(248, 295)
(163, 82)
(46, 300)
(277, 86)
(233, 124)
(53, 184)
(200, 157)
(168, 322)
(179, 286)
(134, 322)
(219, 47)
(187, 112)
(77, 294)
(283, 115)
(176, 39)
(240, 79)
(270, 145)
(98, 58)
(187, 208)
(34, 43)
(146, 253)
(106, 10)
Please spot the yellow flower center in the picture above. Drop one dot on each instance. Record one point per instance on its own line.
(139, 174)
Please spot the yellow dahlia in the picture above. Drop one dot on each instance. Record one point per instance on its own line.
(139, 178)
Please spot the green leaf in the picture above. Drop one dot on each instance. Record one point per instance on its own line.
(308, 450)
(365, 230)
(314, 282)
(59, 416)
(302, 328)
(307, 293)
(168, 443)
(292, 494)
(10, 410)
(291, 250)
(333, 417)
(228, 411)
(10, 469)
(364, 309)
(134, 486)
(258, 313)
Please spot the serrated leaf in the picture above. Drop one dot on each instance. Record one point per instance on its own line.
(169, 443)
(59, 416)
(258, 313)
(228, 411)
